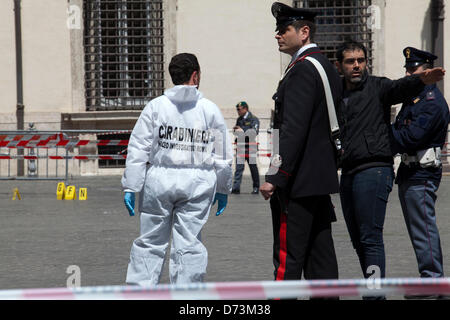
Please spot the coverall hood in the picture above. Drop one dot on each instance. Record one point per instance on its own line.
(183, 94)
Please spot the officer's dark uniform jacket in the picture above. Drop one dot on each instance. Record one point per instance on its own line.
(422, 123)
(364, 120)
(251, 122)
(308, 159)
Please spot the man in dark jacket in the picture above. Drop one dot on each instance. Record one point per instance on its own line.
(419, 134)
(366, 159)
(246, 130)
(305, 169)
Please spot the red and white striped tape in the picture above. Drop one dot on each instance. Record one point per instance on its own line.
(242, 290)
(45, 136)
(77, 157)
(90, 157)
(30, 137)
(259, 155)
(59, 143)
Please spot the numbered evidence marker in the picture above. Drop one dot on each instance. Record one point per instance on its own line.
(71, 193)
(83, 194)
(16, 193)
(60, 191)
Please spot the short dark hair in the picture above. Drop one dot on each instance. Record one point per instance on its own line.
(301, 23)
(182, 66)
(350, 45)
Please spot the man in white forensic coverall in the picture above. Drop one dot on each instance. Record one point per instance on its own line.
(179, 159)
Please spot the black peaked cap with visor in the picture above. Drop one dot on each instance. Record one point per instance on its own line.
(415, 57)
(286, 15)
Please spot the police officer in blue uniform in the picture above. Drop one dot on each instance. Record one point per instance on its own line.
(246, 130)
(418, 134)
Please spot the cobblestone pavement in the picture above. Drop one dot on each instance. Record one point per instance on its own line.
(40, 237)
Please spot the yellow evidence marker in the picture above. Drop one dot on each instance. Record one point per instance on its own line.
(71, 193)
(16, 193)
(83, 194)
(60, 191)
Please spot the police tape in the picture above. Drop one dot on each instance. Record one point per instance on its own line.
(29, 136)
(119, 156)
(289, 289)
(251, 155)
(90, 157)
(76, 157)
(59, 143)
(52, 136)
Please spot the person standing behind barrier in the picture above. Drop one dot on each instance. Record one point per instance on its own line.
(246, 130)
(366, 158)
(419, 134)
(179, 159)
(304, 174)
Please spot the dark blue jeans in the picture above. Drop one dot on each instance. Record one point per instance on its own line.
(364, 197)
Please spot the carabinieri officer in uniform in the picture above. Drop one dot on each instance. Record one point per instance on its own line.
(419, 134)
(305, 171)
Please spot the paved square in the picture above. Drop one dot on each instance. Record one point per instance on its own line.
(40, 237)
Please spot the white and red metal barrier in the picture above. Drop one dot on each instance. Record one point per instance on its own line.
(76, 157)
(52, 143)
(61, 140)
(242, 290)
(58, 140)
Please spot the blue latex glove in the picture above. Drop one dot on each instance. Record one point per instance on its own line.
(129, 199)
(223, 200)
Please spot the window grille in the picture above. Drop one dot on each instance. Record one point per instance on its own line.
(123, 43)
(339, 20)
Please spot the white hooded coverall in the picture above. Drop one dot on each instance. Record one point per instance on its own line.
(179, 156)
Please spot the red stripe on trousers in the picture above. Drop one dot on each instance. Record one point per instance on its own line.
(283, 247)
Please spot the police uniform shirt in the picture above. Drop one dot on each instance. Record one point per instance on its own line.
(248, 121)
(422, 123)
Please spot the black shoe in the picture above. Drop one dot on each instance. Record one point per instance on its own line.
(443, 297)
(235, 191)
(255, 191)
(421, 296)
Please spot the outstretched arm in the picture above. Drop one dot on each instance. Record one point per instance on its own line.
(431, 76)
(401, 90)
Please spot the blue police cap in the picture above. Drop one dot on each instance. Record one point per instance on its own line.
(415, 57)
(286, 15)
